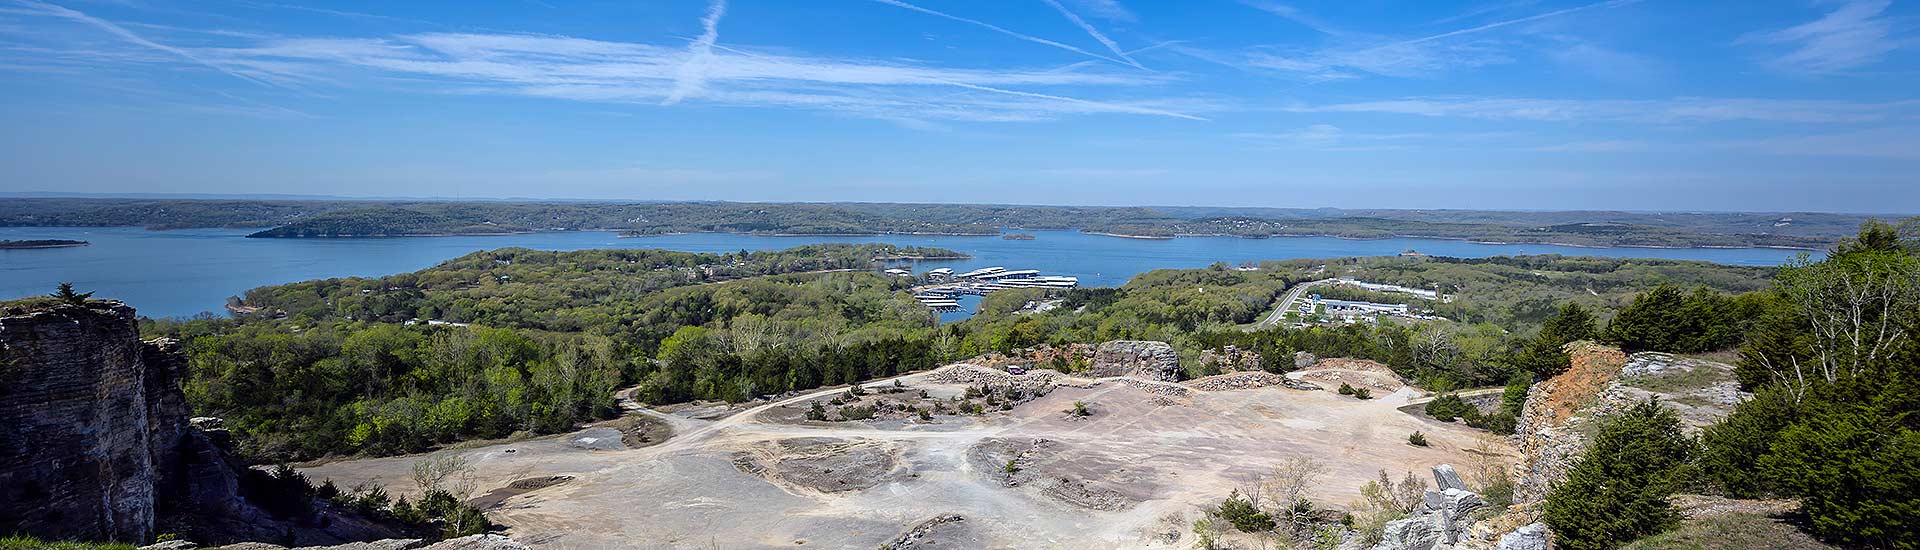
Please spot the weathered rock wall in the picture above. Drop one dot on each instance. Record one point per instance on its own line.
(85, 408)
(1549, 432)
(1144, 359)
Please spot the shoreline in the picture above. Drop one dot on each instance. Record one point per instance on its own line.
(43, 246)
(1467, 240)
(626, 235)
(629, 235)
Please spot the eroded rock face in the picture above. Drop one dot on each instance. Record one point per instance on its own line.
(89, 418)
(1548, 432)
(1144, 359)
(95, 441)
(1533, 536)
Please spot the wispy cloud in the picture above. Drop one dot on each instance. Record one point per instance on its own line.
(1855, 35)
(1423, 56)
(1293, 14)
(1677, 110)
(623, 72)
(1327, 137)
(1894, 143)
(691, 77)
(1515, 21)
(998, 29)
(129, 36)
(1095, 33)
(1106, 9)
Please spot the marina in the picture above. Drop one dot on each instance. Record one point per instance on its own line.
(944, 288)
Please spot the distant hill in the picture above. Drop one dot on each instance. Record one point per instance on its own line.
(361, 218)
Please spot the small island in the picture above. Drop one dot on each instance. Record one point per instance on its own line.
(1017, 237)
(39, 243)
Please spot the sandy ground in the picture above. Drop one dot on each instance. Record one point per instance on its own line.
(1108, 481)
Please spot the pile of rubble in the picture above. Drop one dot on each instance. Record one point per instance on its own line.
(1143, 359)
(967, 373)
(924, 530)
(471, 542)
(1231, 359)
(1168, 389)
(1247, 380)
(1359, 373)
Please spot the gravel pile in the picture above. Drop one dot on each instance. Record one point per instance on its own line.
(1247, 380)
(964, 373)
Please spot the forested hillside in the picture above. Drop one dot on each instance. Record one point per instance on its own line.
(566, 291)
(348, 218)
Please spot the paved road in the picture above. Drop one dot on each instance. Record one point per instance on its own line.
(1286, 303)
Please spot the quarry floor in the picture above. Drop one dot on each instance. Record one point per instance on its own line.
(1132, 475)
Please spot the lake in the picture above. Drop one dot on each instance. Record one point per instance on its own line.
(183, 272)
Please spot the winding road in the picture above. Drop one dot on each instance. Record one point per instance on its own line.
(1286, 304)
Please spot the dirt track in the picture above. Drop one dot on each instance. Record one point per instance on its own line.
(1106, 481)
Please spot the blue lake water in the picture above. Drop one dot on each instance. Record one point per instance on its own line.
(184, 272)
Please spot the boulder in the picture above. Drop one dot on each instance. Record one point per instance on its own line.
(1534, 536)
(1413, 533)
(1444, 477)
(1142, 359)
(171, 545)
(1303, 360)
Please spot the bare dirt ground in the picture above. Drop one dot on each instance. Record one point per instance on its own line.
(1129, 476)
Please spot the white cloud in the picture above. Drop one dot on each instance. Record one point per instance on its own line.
(1692, 109)
(592, 70)
(1853, 36)
(998, 29)
(692, 75)
(1093, 32)
(1106, 9)
(1424, 56)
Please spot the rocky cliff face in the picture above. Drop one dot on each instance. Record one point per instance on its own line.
(95, 443)
(90, 418)
(1143, 359)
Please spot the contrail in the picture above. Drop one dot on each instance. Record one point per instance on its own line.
(1001, 30)
(124, 34)
(692, 76)
(1095, 33)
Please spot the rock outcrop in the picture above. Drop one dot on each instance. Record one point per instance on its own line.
(96, 443)
(1143, 359)
(1442, 519)
(1548, 432)
(92, 423)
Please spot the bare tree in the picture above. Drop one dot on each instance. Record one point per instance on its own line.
(434, 472)
(1853, 305)
(1402, 497)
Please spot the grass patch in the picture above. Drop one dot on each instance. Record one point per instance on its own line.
(1680, 381)
(30, 543)
(1733, 531)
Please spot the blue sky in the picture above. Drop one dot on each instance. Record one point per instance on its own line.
(1511, 104)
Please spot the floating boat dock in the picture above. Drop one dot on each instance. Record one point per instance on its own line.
(945, 288)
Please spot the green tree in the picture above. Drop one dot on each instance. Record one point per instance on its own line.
(66, 295)
(1854, 470)
(1545, 355)
(1618, 490)
(1730, 451)
(1655, 321)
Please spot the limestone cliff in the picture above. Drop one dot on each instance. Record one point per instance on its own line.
(95, 442)
(1149, 360)
(90, 417)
